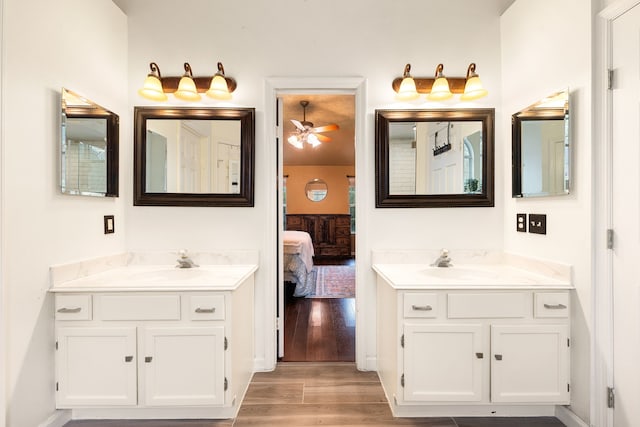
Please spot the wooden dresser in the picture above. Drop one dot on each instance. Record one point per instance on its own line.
(330, 233)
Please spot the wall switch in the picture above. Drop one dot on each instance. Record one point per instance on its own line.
(538, 223)
(109, 226)
(521, 223)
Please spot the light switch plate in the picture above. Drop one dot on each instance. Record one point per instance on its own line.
(109, 226)
(538, 223)
(521, 222)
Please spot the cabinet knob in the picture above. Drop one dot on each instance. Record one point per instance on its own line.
(206, 310)
(480, 355)
(128, 358)
(148, 359)
(498, 356)
(422, 307)
(69, 310)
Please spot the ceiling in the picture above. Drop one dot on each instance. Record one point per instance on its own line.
(322, 110)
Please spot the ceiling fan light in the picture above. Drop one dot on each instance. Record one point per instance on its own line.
(293, 140)
(313, 140)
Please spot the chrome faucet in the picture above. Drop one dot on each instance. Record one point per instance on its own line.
(443, 260)
(184, 261)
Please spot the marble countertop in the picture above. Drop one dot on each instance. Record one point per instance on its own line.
(161, 278)
(467, 276)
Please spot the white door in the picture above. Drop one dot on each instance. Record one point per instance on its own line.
(625, 33)
(183, 366)
(96, 366)
(530, 363)
(428, 349)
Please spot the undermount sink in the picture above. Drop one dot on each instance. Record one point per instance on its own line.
(460, 273)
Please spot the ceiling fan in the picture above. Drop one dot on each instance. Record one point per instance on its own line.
(305, 132)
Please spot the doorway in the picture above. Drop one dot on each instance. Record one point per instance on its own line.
(316, 285)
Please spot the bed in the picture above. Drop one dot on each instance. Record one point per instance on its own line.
(298, 262)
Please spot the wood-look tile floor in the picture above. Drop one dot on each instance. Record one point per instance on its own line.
(322, 394)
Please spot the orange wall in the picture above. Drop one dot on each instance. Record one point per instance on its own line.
(337, 200)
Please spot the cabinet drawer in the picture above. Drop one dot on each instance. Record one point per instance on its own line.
(551, 304)
(500, 305)
(138, 307)
(206, 307)
(294, 221)
(344, 220)
(73, 307)
(423, 305)
(343, 231)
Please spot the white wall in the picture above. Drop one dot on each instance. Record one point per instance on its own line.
(544, 52)
(47, 45)
(332, 38)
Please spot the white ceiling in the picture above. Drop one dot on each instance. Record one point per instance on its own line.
(322, 110)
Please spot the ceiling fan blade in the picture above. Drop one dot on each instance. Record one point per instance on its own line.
(326, 128)
(297, 124)
(322, 138)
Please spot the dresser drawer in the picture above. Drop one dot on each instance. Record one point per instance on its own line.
(420, 305)
(206, 307)
(499, 305)
(138, 307)
(551, 304)
(343, 220)
(73, 307)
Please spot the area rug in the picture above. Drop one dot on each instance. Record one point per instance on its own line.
(335, 281)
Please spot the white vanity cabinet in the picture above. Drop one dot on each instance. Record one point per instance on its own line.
(163, 354)
(473, 351)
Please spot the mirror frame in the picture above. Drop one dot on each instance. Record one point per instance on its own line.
(385, 200)
(244, 198)
(95, 111)
(531, 113)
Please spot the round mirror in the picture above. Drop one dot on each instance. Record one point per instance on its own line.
(316, 190)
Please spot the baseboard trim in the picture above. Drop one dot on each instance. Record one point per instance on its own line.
(569, 418)
(58, 419)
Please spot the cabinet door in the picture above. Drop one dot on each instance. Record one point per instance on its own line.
(96, 366)
(184, 366)
(530, 363)
(443, 363)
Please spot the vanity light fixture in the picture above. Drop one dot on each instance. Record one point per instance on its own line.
(407, 90)
(440, 90)
(439, 87)
(188, 88)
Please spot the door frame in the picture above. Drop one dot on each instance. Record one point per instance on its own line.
(274, 87)
(602, 180)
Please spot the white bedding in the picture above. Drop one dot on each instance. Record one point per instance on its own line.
(299, 242)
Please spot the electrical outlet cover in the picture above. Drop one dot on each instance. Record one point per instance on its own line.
(521, 223)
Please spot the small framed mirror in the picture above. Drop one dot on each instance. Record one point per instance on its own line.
(434, 158)
(316, 190)
(89, 147)
(541, 148)
(194, 156)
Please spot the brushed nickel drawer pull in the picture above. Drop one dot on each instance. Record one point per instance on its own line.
(422, 307)
(205, 310)
(70, 310)
(128, 358)
(555, 306)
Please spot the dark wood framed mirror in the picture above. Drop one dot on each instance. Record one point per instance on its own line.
(187, 156)
(434, 158)
(89, 147)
